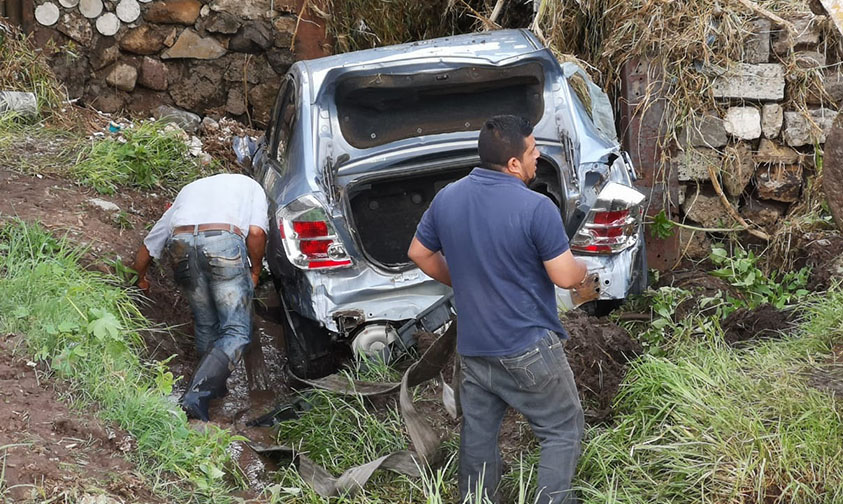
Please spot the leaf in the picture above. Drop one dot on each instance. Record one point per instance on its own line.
(662, 226)
(211, 471)
(20, 312)
(104, 326)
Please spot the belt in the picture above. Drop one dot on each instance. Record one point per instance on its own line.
(199, 228)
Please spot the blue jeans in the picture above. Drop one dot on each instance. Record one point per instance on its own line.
(211, 269)
(539, 384)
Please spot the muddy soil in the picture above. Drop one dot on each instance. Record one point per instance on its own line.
(820, 251)
(598, 352)
(764, 322)
(67, 454)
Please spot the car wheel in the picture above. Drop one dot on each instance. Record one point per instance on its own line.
(308, 347)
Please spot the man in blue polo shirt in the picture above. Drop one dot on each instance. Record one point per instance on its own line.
(506, 247)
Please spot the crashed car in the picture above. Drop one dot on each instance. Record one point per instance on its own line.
(360, 143)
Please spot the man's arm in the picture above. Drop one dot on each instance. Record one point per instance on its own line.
(256, 246)
(565, 270)
(432, 263)
(141, 265)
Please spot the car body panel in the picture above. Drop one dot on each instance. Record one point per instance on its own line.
(320, 162)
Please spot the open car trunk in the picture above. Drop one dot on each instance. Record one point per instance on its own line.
(385, 211)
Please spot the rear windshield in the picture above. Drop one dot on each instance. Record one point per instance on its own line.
(378, 109)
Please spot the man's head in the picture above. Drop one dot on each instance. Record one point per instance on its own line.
(506, 144)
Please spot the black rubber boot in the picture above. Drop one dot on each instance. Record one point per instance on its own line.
(207, 382)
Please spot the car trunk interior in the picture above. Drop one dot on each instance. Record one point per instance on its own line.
(376, 110)
(386, 210)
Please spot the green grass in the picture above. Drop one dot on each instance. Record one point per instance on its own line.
(143, 157)
(87, 329)
(708, 423)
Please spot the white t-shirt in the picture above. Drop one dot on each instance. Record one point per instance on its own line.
(220, 199)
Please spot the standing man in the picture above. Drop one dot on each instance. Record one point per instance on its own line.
(506, 246)
(215, 236)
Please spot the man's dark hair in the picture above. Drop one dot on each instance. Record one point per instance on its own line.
(502, 138)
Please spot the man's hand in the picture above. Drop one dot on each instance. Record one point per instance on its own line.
(143, 285)
(255, 278)
(587, 290)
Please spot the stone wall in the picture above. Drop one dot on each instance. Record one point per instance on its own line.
(210, 57)
(762, 135)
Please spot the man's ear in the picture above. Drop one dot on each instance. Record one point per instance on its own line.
(513, 166)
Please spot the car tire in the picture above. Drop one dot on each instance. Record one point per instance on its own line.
(308, 347)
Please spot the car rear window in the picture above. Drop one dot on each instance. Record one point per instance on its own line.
(382, 108)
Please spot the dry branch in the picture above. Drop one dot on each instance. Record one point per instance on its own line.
(729, 208)
(761, 11)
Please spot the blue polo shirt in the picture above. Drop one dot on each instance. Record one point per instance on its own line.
(495, 233)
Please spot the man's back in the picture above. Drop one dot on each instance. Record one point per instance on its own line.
(226, 198)
(495, 234)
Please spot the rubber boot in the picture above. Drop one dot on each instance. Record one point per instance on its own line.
(207, 382)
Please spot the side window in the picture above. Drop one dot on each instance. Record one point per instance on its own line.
(286, 122)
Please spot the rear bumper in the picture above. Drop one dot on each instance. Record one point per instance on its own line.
(615, 272)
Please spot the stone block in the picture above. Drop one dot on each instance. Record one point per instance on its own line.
(187, 121)
(144, 40)
(76, 27)
(703, 205)
(756, 47)
(704, 131)
(800, 130)
(831, 90)
(762, 213)
(775, 153)
(284, 26)
(254, 37)
(693, 244)
(252, 9)
(808, 30)
(123, 77)
(779, 182)
(192, 46)
(173, 12)
(223, 22)
(738, 168)
(808, 60)
(153, 74)
(763, 81)
(235, 104)
(772, 116)
(280, 59)
(101, 58)
(199, 87)
(692, 164)
(743, 122)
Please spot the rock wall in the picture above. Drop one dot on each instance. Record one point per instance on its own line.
(761, 137)
(209, 57)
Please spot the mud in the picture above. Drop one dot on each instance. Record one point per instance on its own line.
(598, 352)
(64, 453)
(820, 251)
(765, 322)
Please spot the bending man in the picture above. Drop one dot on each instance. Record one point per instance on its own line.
(214, 235)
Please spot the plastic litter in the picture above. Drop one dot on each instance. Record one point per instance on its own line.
(20, 103)
(244, 149)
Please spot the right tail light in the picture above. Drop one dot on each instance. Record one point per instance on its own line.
(612, 223)
(309, 238)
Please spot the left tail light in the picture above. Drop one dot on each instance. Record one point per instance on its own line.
(613, 222)
(309, 238)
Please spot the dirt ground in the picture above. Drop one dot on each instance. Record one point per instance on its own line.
(50, 450)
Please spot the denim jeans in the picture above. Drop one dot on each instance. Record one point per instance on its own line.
(539, 384)
(211, 269)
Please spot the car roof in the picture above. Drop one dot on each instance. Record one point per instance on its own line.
(492, 46)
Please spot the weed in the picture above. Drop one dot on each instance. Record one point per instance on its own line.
(22, 68)
(742, 271)
(87, 329)
(145, 157)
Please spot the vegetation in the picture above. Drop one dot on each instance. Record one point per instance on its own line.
(87, 329)
(147, 156)
(22, 68)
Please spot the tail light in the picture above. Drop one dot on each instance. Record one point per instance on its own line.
(613, 222)
(310, 240)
